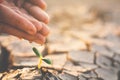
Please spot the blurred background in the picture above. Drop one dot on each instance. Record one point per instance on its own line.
(110, 7)
(76, 25)
(76, 22)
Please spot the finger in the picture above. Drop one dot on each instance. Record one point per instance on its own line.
(19, 3)
(10, 30)
(11, 17)
(1, 1)
(35, 22)
(41, 27)
(40, 3)
(45, 30)
(37, 12)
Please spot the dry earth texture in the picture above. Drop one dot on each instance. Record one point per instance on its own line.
(84, 44)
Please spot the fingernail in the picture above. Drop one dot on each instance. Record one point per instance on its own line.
(45, 30)
(43, 4)
(46, 18)
(32, 31)
(41, 38)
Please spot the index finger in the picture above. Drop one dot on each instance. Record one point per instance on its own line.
(40, 3)
(12, 18)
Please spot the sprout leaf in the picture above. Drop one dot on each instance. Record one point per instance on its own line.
(36, 52)
(48, 61)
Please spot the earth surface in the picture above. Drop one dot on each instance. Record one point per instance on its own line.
(84, 44)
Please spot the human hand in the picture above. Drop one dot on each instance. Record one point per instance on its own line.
(24, 19)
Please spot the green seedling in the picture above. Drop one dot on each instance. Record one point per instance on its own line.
(48, 61)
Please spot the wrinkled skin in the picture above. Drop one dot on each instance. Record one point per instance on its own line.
(24, 19)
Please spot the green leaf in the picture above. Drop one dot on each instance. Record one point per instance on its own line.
(48, 61)
(36, 52)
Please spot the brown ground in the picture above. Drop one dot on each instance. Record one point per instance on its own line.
(83, 44)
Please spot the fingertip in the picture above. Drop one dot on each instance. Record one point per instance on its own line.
(45, 30)
(43, 4)
(32, 31)
(37, 24)
(47, 19)
(40, 39)
(28, 27)
(37, 12)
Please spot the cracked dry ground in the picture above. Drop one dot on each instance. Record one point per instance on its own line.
(88, 51)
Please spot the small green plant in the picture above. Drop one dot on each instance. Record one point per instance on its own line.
(48, 61)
